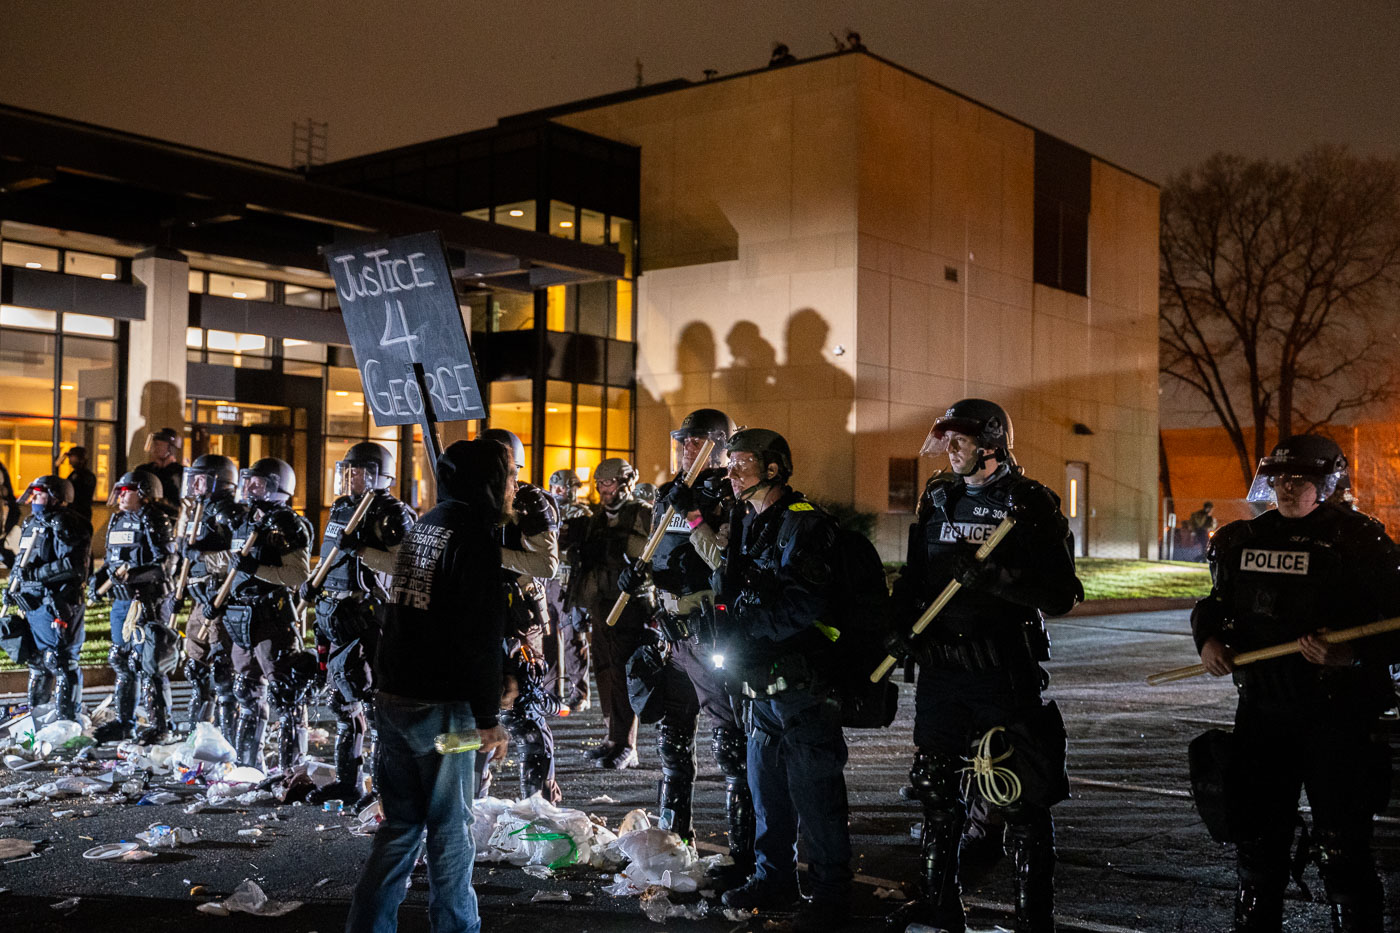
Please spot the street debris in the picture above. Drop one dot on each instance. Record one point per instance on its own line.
(15, 848)
(248, 898)
(110, 850)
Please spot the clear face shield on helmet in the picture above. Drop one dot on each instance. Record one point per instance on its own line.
(685, 447)
(254, 487)
(357, 478)
(197, 484)
(114, 500)
(1272, 469)
(50, 496)
(940, 435)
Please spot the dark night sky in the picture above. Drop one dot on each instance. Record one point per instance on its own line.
(1154, 86)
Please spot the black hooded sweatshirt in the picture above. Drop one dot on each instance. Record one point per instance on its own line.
(447, 605)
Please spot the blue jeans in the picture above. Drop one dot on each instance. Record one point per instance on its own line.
(420, 790)
(797, 760)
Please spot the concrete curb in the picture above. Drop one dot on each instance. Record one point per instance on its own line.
(1104, 607)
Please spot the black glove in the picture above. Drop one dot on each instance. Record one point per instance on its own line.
(792, 672)
(211, 612)
(248, 564)
(634, 577)
(681, 498)
(975, 574)
(308, 593)
(348, 542)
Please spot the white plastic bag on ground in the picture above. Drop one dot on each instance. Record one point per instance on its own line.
(536, 832)
(59, 732)
(207, 743)
(656, 857)
(250, 899)
(234, 782)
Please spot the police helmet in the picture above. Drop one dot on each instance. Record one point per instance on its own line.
(616, 469)
(768, 446)
(267, 480)
(645, 492)
(702, 423)
(509, 441)
(373, 461)
(59, 490)
(1308, 455)
(218, 474)
(985, 422)
(146, 483)
(564, 479)
(169, 435)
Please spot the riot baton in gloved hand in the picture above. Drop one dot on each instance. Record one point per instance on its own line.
(946, 596)
(701, 461)
(191, 527)
(323, 569)
(244, 551)
(1278, 651)
(24, 560)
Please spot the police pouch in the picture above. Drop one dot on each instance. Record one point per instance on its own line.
(238, 622)
(867, 705)
(1215, 785)
(16, 639)
(1041, 749)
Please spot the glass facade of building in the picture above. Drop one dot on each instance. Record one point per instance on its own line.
(559, 363)
(60, 379)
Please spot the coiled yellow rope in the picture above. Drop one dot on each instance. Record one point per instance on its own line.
(132, 633)
(999, 786)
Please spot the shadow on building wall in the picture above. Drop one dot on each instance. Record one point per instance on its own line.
(806, 398)
(161, 407)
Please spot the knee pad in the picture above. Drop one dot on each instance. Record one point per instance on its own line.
(1347, 866)
(195, 671)
(247, 692)
(676, 748)
(934, 778)
(53, 661)
(731, 750)
(282, 692)
(119, 658)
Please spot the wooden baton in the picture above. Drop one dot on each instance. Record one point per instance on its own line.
(227, 588)
(946, 596)
(654, 541)
(1278, 651)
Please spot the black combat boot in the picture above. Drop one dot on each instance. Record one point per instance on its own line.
(156, 694)
(939, 904)
(1032, 849)
(346, 786)
(123, 699)
(68, 692)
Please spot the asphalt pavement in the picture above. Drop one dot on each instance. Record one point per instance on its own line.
(1133, 855)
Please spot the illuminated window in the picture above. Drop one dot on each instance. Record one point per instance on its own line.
(562, 222)
(228, 286)
(590, 416)
(29, 257)
(591, 228)
(511, 409)
(299, 296)
(512, 311)
(622, 319)
(90, 265)
(620, 237)
(521, 214)
(620, 418)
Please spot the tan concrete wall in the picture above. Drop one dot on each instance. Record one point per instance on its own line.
(947, 184)
(748, 261)
(790, 212)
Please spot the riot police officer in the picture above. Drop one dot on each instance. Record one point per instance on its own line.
(208, 494)
(529, 558)
(681, 571)
(259, 616)
(53, 563)
(139, 562)
(351, 597)
(567, 644)
(1304, 720)
(164, 447)
(778, 582)
(615, 533)
(980, 658)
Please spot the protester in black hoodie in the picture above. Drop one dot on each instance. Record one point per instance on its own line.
(439, 688)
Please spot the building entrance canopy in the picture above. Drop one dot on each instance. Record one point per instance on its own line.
(81, 177)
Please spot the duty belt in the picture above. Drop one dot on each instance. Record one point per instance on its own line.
(979, 654)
